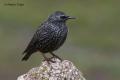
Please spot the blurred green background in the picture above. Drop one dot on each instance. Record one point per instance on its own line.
(93, 43)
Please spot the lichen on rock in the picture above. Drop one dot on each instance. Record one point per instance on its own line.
(59, 70)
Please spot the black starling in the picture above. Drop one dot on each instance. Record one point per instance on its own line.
(49, 36)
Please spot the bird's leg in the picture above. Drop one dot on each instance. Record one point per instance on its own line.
(55, 56)
(47, 59)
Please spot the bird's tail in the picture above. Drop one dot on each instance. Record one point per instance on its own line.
(28, 52)
(26, 57)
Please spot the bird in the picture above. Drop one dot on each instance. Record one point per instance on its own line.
(49, 36)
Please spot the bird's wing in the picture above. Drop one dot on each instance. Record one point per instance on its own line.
(31, 46)
(42, 36)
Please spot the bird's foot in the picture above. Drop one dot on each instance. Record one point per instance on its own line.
(49, 60)
(55, 56)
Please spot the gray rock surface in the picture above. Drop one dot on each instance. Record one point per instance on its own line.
(64, 70)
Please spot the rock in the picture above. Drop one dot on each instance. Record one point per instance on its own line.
(64, 70)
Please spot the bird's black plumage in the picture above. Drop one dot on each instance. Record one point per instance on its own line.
(49, 36)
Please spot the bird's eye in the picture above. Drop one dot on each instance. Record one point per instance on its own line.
(63, 17)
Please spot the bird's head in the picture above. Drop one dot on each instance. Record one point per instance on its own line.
(59, 16)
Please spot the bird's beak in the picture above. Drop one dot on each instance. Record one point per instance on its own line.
(69, 17)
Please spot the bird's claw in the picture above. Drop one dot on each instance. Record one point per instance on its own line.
(57, 58)
(49, 60)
